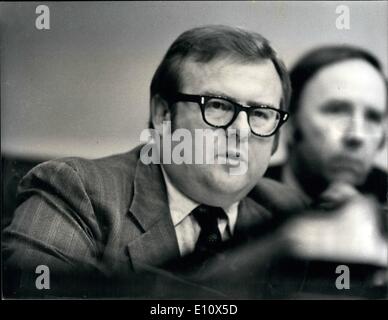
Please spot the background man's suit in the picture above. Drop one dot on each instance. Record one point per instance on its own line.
(376, 182)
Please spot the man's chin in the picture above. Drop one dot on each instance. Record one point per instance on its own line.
(224, 182)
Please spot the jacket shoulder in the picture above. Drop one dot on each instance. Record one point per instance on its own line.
(277, 197)
(69, 208)
(376, 184)
(97, 176)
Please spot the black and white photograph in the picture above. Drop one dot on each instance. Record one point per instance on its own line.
(194, 150)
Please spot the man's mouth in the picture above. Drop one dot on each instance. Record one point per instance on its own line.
(347, 164)
(231, 157)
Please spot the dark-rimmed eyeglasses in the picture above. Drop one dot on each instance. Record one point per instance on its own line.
(221, 112)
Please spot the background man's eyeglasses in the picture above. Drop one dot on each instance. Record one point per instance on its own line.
(221, 112)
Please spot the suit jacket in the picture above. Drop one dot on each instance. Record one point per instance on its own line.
(375, 184)
(109, 215)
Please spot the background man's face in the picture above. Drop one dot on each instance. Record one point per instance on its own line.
(341, 121)
(245, 83)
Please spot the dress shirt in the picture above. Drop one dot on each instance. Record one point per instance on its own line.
(187, 229)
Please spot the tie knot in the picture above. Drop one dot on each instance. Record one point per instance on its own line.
(207, 216)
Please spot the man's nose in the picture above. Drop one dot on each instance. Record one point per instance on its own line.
(355, 133)
(240, 125)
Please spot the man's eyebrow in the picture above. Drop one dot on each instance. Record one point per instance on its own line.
(348, 104)
(337, 102)
(249, 103)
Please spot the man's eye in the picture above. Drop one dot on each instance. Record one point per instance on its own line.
(262, 113)
(336, 108)
(374, 117)
(215, 105)
(219, 105)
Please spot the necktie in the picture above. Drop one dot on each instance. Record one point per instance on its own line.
(208, 243)
(209, 239)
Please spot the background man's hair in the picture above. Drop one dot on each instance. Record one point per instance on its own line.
(203, 44)
(313, 61)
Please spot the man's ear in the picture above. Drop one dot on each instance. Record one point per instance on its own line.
(385, 132)
(292, 133)
(160, 112)
(275, 143)
(286, 134)
(382, 142)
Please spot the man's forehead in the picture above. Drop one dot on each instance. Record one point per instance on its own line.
(355, 81)
(231, 77)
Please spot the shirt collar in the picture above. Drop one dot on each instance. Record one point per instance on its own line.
(181, 206)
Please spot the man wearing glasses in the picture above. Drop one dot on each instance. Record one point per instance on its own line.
(117, 214)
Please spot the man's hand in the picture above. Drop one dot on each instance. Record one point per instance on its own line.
(344, 228)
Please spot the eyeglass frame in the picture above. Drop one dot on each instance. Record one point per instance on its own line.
(203, 99)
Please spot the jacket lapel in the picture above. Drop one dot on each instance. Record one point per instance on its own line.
(157, 244)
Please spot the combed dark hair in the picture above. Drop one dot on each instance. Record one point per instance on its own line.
(203, 44)
(310, 63)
